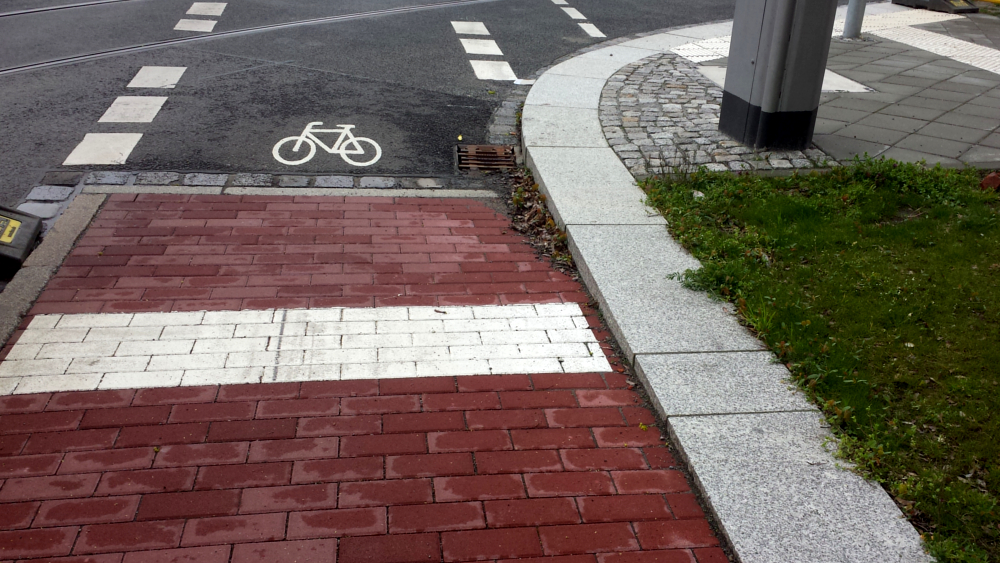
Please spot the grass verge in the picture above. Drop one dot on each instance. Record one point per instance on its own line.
(878, 284)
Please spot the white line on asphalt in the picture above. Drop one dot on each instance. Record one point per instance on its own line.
(592, 30)
(560, 2)
(206, 9)
(103, 148)
(574, 13)
(470, 28)
(493, 70)
(195, 25)
(157, 77)
(133, 109)
(481, 47)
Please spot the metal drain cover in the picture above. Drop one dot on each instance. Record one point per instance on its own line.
(485, 157)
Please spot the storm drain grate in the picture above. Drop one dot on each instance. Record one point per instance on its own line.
(485, 157)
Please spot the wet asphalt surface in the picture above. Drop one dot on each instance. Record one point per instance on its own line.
(402, 79)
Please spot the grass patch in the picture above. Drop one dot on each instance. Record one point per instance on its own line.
(879, 285)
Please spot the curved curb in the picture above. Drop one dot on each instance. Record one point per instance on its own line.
(758, 449)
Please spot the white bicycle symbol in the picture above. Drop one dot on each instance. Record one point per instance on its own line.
(347, 146)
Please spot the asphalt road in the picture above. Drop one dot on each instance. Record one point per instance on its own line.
(395, 69)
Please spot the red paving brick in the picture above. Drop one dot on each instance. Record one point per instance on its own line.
(497, 468)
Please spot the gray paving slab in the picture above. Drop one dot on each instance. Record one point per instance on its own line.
(920, 102)
(858, 103)
(893, 122)
(780, 496)
(982, 155)
(955, 86)
(936, 94)
(827, 126)
(589, 186)
(907, 155)
(705, 31)
(661, 42)
(205, 179)
(252, 180)
(934, 145)
(62, 178)
(627, 268)
(39, 209)
(953, 132)
(992, 140)
(566, 91)
(731, 382)
(563, 127)
(985, 100)
(194, 190)
(157, 178)
(118, 178)
(910, 81)
(289, 181)
(913, 112)
(334, 182)
(979, 111)
(894, 88)
(50, 193)
(378, 182)
(970, 121)
(846, 148)
(880, 135)
(841, 114)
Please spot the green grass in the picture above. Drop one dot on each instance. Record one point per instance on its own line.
(879, 285)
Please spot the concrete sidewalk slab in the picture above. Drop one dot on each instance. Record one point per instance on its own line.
(627, 269)
(711, 384)
(588, 186)
(783, 497)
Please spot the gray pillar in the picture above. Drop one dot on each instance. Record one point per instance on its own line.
(855, 15)
(777, 61)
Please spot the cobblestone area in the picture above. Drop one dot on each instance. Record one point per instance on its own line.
(661, 115)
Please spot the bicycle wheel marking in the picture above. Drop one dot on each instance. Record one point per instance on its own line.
(299, 149)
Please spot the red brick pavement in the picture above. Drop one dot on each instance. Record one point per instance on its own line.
(152, 252)
(430, 469)
(556, 467)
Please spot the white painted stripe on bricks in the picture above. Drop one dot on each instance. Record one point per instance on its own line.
(481, 46)
(157, 77)
(206, 9)
(103, 148)
(493, 70)
(574, 13)
(133, 109)
(470, 28)
(592, 30)
(979, 56)
(105, 351)
(195, 25)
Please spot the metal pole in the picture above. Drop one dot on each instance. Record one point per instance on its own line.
(855, 15)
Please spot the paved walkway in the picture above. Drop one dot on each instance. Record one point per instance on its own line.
(275, 378)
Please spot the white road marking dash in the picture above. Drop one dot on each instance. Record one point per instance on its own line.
(206, 9)
(574, 13)
(493, 70)
(470, 28)
(133, 109)
(481, 46)
(157, 77)
(103, 148)
(195, 25)
(592, 30)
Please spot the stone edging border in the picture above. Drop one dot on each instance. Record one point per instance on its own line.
(20, 293)
(759, 451)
